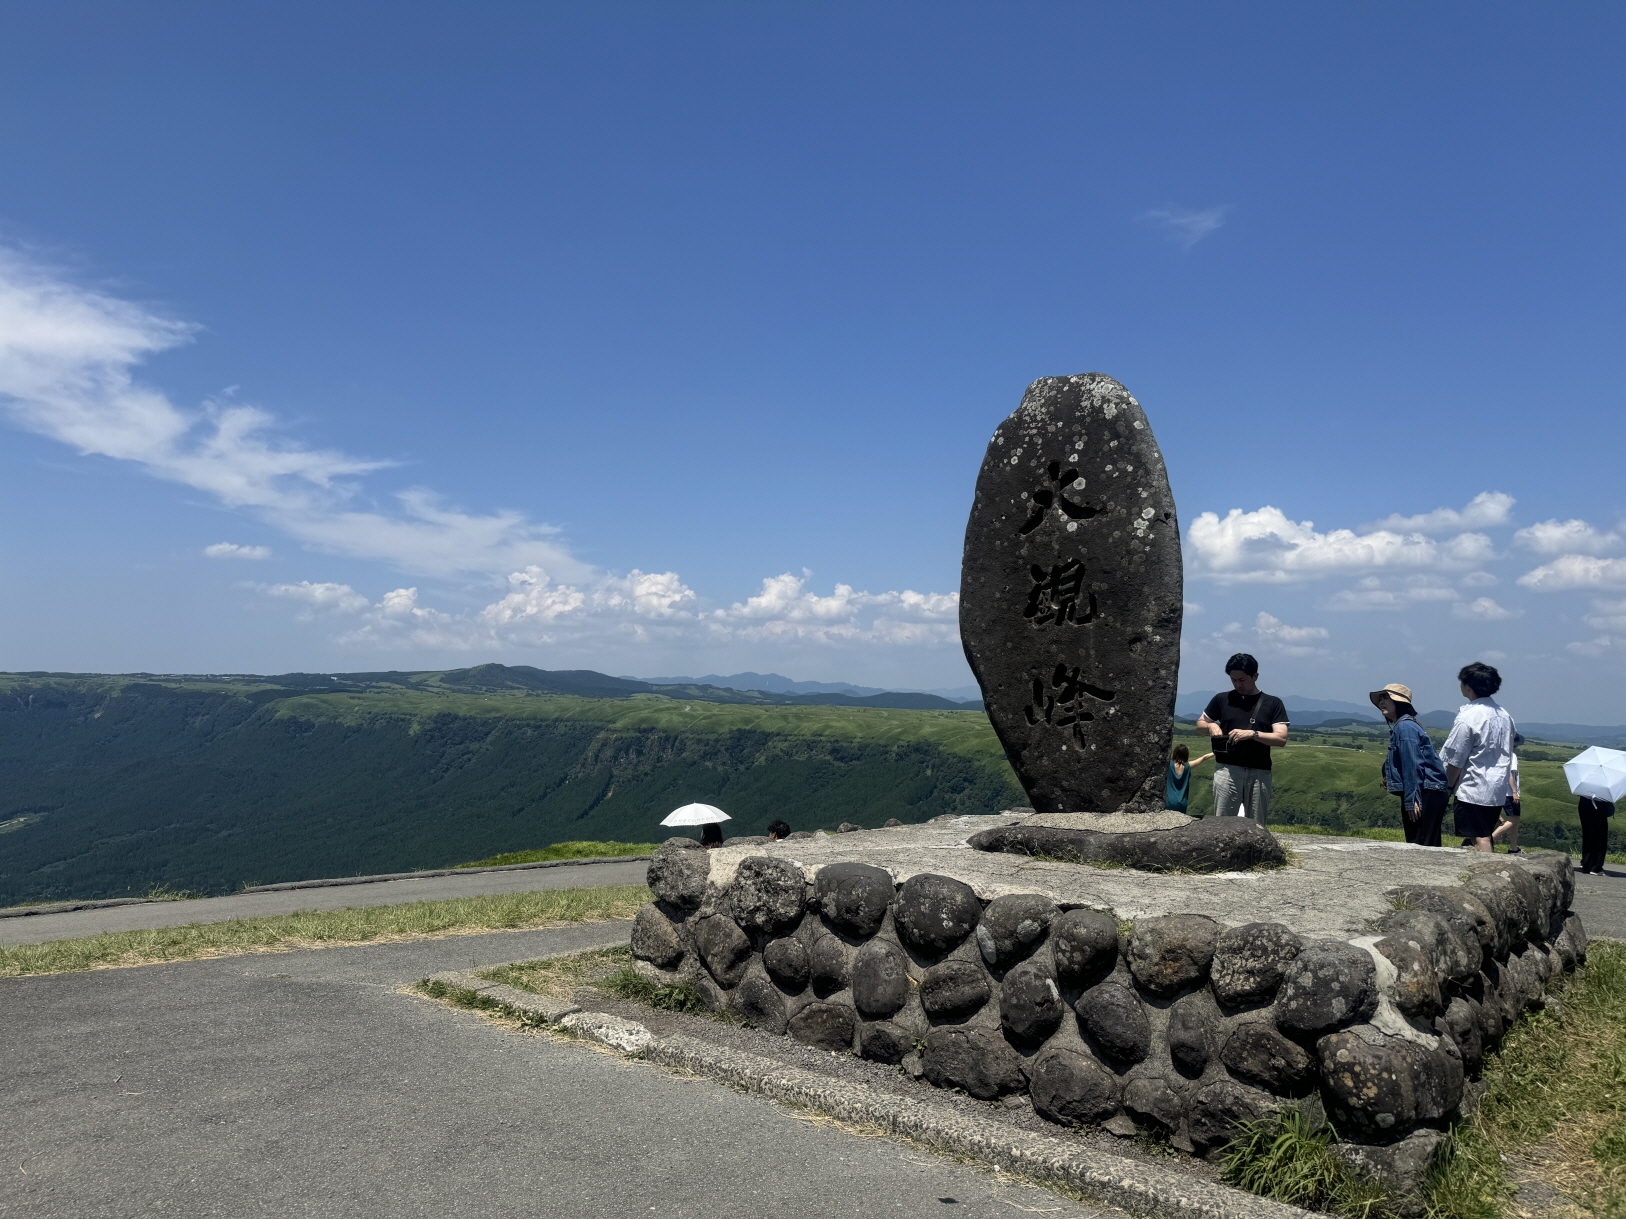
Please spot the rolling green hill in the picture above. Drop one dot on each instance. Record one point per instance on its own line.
(116, 785)
(113, 785)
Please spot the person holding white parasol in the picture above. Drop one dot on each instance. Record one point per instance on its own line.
(708, 817)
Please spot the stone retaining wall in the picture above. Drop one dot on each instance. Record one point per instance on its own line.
(1176, 1024)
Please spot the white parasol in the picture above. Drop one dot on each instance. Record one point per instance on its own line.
(695, 814)
(1599, 773)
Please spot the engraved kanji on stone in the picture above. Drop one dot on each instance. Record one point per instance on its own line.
(1062, 702)
(1046, 498)
(1055, 595)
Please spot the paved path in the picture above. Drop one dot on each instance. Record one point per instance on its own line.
(36, 929)
(305, 1084)
(1601, 903)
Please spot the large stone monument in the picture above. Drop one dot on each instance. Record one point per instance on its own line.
(1070, 597)
(1070, 610)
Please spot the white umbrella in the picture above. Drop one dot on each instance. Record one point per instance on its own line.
(695, 814)
(1599, 773)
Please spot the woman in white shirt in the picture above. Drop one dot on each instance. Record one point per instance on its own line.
(1478, 755)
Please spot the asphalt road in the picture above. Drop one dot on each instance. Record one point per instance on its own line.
(37, 928)
(306, 1084)
(1601, 903)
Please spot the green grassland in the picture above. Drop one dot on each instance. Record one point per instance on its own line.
(114, 786)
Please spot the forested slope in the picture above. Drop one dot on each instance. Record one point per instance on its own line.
(115, 785)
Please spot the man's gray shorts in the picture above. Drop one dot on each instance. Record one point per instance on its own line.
(1241, 787)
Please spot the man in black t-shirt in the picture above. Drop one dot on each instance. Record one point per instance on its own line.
(1246, 725)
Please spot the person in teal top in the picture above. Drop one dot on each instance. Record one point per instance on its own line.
(1177, 783)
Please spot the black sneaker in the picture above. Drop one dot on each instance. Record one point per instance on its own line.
(1515, 850)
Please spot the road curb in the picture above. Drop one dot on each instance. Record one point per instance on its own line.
(328, 883)
(383, 876)
(1133, 1185)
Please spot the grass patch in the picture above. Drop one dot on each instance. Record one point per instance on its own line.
(558, 977)
(325, 929)
(564, 850)
(628, 983)
(1377, 833)
(1559, 1082)
(1281, 1157)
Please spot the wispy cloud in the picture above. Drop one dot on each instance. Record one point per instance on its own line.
(1572, 571)
(1392, 593)
(1186, 225)
(231, 550)
(1483, 609)
(68, 361)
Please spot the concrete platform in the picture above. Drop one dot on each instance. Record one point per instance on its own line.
(1332, 888)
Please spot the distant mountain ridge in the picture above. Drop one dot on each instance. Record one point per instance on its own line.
(778, 683)
(1311, 712)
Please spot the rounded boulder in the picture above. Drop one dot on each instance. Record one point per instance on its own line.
(678, 874)
(831, 965)
(853, 897)
(1249, 961)
(788, 963)
(655, 938)
(1071, 1088)
(1012, 927)
(880, 979)
(767, 894)
(1257, 1052)
(1172, 952)
(953, 989)
(723, 947)
(1030, 1004)
(977, 1061)
(1115, 1019)
(1084, 944)
(825, 1026)
(1328, 986)
(935, 913)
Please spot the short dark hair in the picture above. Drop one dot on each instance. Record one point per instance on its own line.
(1243, 661)
(1182, 753)
(1483, 680)
(779, 830)
(710, 833)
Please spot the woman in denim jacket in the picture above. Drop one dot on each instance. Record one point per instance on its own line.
(1412, 770)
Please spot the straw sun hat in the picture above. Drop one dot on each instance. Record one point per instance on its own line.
(1394, 691)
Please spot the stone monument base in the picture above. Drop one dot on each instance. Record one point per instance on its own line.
(1365, 980)
(1151, 842)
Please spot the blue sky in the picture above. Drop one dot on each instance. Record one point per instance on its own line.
(667, 338)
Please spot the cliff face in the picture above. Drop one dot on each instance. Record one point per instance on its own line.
(110, 785)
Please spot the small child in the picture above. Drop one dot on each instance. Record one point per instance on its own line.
(1177, 783)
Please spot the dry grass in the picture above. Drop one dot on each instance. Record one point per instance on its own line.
(558, 977)
(1555, 1106)
(326, 929)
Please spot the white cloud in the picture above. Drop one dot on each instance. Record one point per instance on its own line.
(1191, 608)
(320, 597)
(231, 550)
(1266, 546)
(638, 607)
(1391, 593)
(1272, 627)
(1477, 579)
(1567, 537)
(68, 357)
(1483, 609)
(1576, 571)
(1600, 646)
(1485, 510)
(1188, 226)
(1607, 616)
